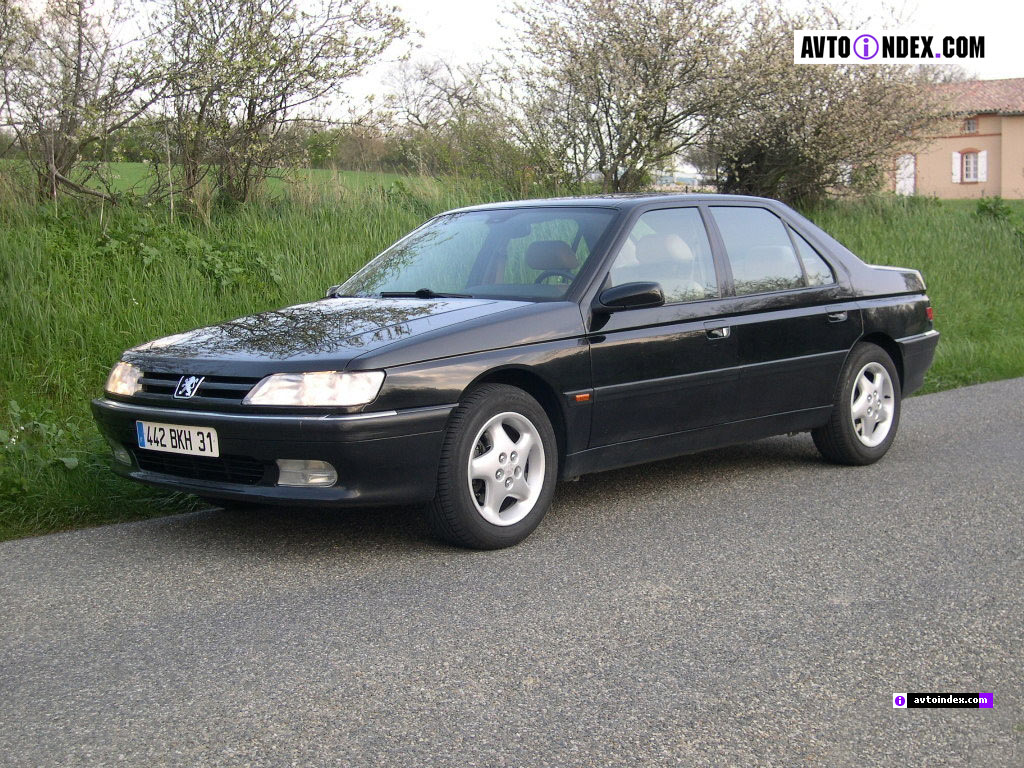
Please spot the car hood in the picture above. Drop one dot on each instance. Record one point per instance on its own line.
(321, 335)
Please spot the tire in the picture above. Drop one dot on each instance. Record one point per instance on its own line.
(866, 412)
(489, 494)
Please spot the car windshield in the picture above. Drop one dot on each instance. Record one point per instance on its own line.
(517, 253)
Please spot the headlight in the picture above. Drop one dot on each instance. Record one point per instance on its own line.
(322, 388)
(124, 379)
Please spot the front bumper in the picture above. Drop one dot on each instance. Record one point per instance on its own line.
(387, 457)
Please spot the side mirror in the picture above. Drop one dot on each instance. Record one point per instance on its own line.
(630, 296)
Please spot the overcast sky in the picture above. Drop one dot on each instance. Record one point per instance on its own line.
(468, 30)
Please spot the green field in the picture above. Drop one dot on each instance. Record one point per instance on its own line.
(81, 285)
(135, 176)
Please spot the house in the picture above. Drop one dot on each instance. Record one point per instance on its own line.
(979, 152)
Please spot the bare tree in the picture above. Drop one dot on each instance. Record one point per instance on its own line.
(245, 70)
(799, 132)
(456, 120)
(13, 28)
(70, 84)
(618, 87)
(430, 95)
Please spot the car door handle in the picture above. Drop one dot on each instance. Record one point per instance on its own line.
(717, 332)
(837, 317)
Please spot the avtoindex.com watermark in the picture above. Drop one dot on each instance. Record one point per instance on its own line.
(822, 46)
(959, 700)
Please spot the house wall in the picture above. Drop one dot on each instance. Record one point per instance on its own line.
(934, 163)
(1012, 165)
(986, 124)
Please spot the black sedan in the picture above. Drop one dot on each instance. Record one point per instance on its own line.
(498, 348)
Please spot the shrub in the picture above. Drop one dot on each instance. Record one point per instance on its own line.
(993, 208)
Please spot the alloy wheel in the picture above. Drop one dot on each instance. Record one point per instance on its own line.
(871, 404)
(506, 468)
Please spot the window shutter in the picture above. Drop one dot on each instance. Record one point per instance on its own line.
(983, 165)
(956, 167)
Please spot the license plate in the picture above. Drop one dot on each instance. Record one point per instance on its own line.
(175, 438)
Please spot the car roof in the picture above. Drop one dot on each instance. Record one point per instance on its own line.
(618, 201)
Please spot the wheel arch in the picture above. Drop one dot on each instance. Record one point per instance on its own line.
(539, 389)
(891, 348)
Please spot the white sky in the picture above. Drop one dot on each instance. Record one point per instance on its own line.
(462, 31)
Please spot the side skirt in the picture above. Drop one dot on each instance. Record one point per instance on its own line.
(691, 441)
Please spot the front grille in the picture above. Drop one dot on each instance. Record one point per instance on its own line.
(243, 470)
(222, 388)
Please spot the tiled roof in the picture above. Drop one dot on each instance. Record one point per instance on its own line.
(1000, 96)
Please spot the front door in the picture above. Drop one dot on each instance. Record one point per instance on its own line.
(663, 370)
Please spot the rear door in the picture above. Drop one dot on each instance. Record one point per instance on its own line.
(666, 369)
(793, 317)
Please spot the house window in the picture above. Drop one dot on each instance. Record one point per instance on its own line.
(971, 125)
(970, 160)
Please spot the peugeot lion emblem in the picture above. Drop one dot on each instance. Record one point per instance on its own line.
(187, 386)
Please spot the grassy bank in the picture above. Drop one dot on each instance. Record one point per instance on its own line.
(78, 288)
(75, 291)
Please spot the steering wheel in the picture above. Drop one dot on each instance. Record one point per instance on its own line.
(562, 273)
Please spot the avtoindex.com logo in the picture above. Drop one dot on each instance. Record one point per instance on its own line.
(821, 46)
(957, 700)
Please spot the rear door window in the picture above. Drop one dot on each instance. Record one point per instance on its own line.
(759, 250)
(818, 271)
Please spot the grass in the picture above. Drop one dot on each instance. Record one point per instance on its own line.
(78, 286)
(124, 176)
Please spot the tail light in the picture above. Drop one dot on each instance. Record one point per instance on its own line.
(930, 313)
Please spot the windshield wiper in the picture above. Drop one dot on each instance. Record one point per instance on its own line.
(422, 293)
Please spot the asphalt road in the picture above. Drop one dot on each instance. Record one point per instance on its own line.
(746, 606)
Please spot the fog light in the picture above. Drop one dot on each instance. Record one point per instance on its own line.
(305, 472)
(121, 455)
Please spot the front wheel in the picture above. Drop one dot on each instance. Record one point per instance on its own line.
(866, 412)
(498, 468)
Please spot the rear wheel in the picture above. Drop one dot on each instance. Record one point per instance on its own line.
(866, 412)
(498, 468)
